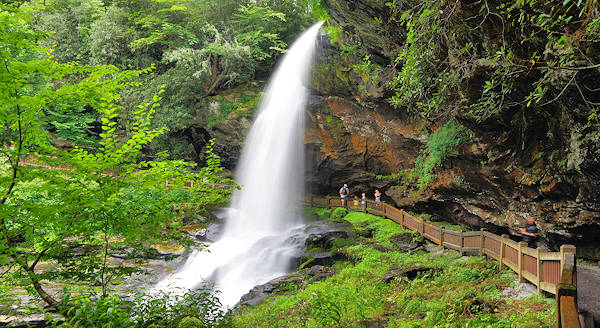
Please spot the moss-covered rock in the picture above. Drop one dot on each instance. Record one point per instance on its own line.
(339, 213)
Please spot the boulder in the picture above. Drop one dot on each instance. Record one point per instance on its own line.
(282, 283)
(372, 323)
(168, 249)
(381, 248)
(405, 241)
(32, 320)
(213, 232)
(410, 273)
(131, 253)
(319, 272)
(325, 239)
(261, 292)
(324, 258)
(253, 298)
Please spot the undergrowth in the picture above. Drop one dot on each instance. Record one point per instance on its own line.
(441, 145)
(244, 107)
(457, 292)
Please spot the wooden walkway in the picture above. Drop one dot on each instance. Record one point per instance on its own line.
(552, 272)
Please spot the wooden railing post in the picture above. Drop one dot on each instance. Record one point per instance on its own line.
(402, 218)
(522, 244)
(540, 271)
(461, 242)
(422, 227)
(566, 291)
(569, 249)
(502, 250)
(482, 245)
(442, 237)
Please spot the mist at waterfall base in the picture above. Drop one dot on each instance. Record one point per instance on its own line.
(264, 229)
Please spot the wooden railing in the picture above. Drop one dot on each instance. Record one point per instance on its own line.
(542, 268)
(553, 272)
(566, 293)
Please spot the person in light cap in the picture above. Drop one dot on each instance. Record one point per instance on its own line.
(344, 192)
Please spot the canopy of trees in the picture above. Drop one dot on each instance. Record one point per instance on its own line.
(86, 87)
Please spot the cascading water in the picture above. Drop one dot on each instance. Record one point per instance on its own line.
(263, 228)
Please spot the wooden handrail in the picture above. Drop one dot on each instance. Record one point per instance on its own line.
(566, 291)
(537, 266)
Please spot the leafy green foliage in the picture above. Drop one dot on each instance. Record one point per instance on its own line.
(368, 72)
(71, 23)
(198, 47)
(73, 124)
(190, 322)
(542, 54)
(259, 28)
(81, 201)
(185, 309)
(440, 146)
(424, 82)
(246, 102)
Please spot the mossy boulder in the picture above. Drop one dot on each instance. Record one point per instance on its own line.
(338, 214)
(406, 241)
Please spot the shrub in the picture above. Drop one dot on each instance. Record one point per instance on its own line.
(338, 214)
(184, 309)
(442, 144)
(190, 322)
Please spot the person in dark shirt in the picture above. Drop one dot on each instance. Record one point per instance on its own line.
(530, 232)
(344, 192)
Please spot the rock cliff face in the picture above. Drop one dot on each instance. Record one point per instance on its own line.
(226, 118)
(542, 162)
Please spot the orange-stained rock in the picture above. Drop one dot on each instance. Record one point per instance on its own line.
(358, 144)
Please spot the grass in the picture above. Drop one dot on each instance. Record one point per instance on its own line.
(458, 292)
(315, 213)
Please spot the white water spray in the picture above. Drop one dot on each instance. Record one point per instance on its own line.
(263, 224)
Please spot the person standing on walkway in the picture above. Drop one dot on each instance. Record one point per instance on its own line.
(530, 232)
(377, 195)
(344, 192)
(364, 200)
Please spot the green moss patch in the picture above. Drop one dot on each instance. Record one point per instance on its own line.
(458, 292)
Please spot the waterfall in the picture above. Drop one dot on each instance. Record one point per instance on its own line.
(264, 226)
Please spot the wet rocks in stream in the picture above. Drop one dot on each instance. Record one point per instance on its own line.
(323, 242)
(325, 258)
(325, 239)
(285, 284)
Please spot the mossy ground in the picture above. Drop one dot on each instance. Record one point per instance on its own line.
(459, 292)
